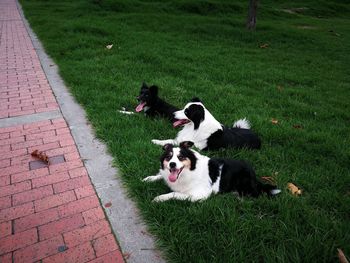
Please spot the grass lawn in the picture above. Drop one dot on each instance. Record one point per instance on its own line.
(201, 48)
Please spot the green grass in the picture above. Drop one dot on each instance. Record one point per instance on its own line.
(201, 48)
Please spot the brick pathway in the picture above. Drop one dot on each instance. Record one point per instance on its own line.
(48, 213)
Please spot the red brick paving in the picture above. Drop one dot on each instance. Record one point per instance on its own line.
(50, 214)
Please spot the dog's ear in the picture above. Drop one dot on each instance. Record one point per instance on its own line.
(186, 144)
(195, 99)
(168, 147)
(196, 114)
(144, 85)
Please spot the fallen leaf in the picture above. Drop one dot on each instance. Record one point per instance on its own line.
(40, 155)
(341, 256)
(62, 248)
(264, 45)
(109, 46)
(280, 88)
(126, 255)
(297, 126)
(274, 121)
(109, 204)
(269, 179)
(294, 189)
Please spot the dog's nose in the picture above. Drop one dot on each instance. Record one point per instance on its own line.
(172, 165)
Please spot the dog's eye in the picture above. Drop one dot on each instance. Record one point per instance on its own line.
(181, 158)
(186, 111)
(167, 158)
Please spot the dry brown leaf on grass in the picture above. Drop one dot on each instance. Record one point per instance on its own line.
(297, 126)
(294, 189)
(269, 179)
(109, 46)
(40, 155)
(274, 121)
(264, 45)
(279, 87)
(341, 256)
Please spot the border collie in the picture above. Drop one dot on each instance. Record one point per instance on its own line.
(152, 105)
(200, 127)
(192, 176)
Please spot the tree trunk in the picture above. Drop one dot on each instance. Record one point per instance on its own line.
(251, 20)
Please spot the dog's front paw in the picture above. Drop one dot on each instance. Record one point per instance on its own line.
(149, 179)
(158, 142)
(160, 198)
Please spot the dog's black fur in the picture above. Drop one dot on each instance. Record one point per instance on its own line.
(153, 105)
(237, 176)
(233, 137)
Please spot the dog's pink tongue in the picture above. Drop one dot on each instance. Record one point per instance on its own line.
(140, 106)
(173, 176)
(178, 123)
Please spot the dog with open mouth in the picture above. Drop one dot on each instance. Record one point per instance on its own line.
(194, 177)
(152, 105)
(200, 127)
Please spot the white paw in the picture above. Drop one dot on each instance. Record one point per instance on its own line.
(148, 179)
(159, 142)
(160, 198)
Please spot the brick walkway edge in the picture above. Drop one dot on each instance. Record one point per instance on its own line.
(48, 213)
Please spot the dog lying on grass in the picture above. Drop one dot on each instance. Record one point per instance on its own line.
(192, 176)
(200, 127)
(152, 105)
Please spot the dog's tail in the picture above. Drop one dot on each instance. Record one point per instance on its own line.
(242, 124)
(269, 189)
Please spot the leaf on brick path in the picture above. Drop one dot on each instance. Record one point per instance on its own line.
(294, 189)
(264, 45)
(109, 46)
(62, 248)
(297, 126)
(40, 155)
(341, 256)
(126, 255)
(109, 204)
(274, 121)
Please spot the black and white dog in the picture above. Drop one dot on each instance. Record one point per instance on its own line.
(192, 176)
(152, 105)
(200, 127)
